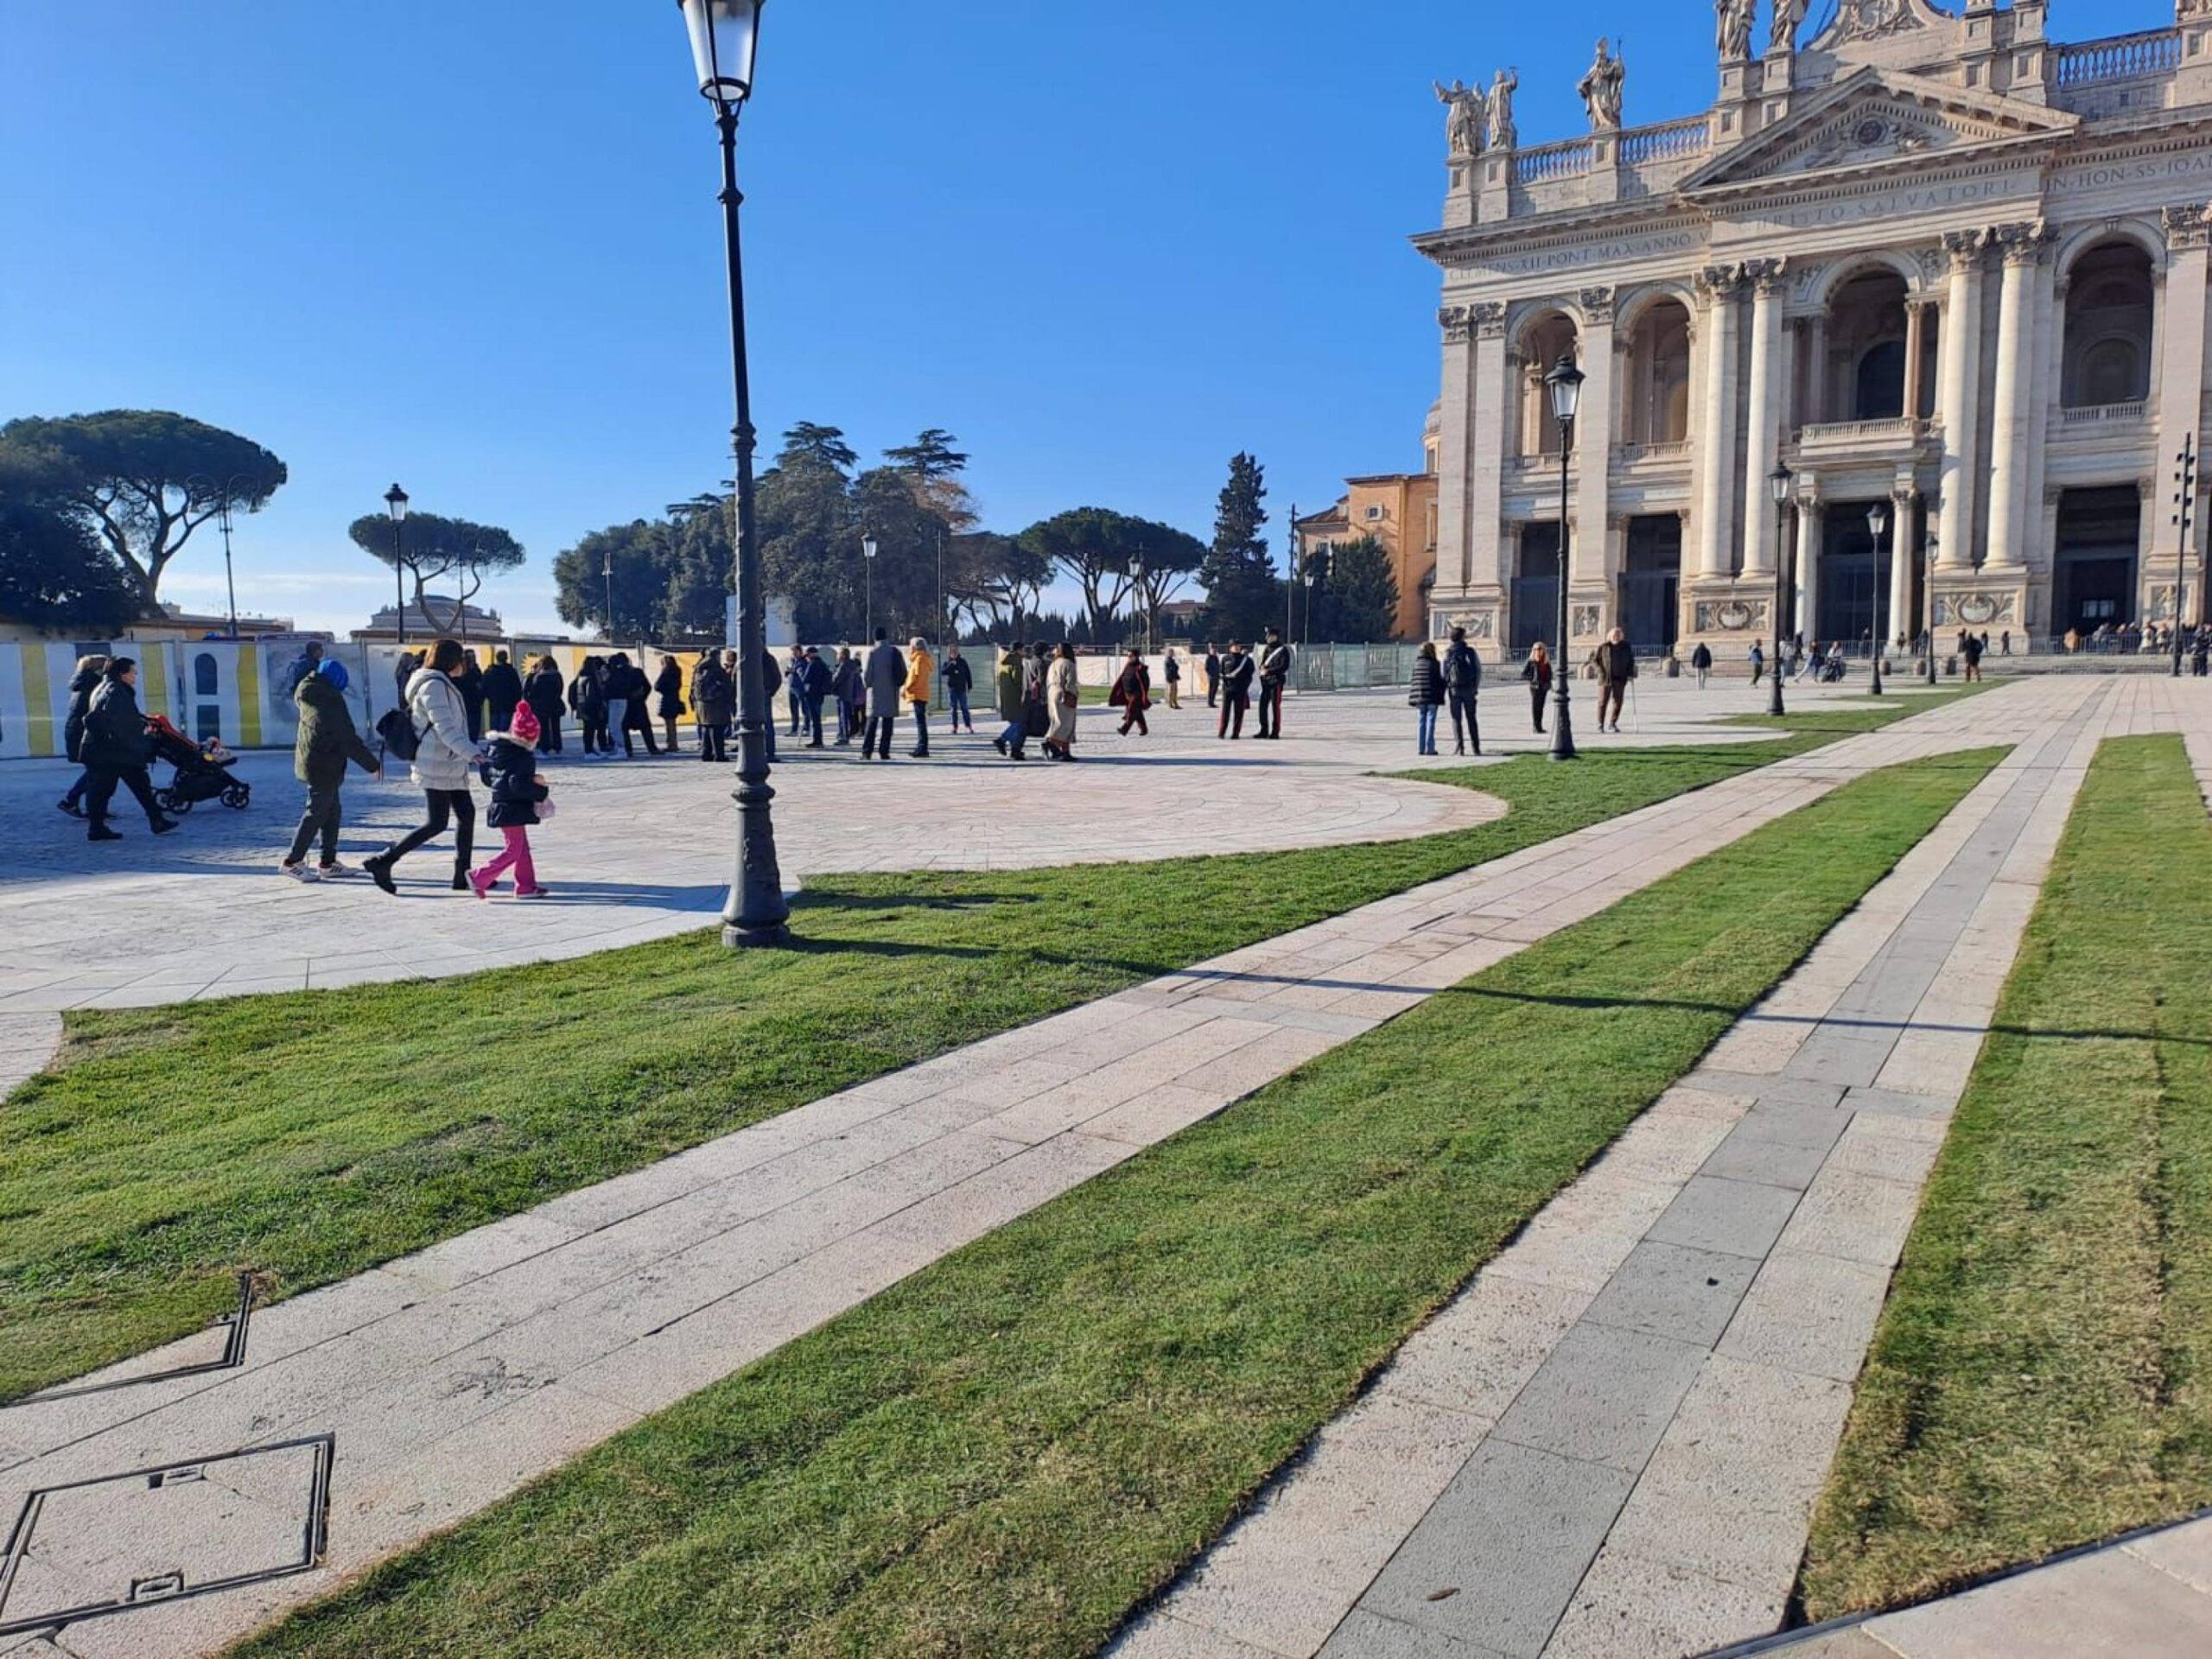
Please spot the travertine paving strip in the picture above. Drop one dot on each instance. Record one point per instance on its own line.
(1610, 1443)
(452, 1377)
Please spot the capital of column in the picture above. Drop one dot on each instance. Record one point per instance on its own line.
(2188, 224)
(1965, 248)
(1597, 306)
(1453, 318)
(1765, 277)
(1488, 319)
(1720, 283)
(2024, 242)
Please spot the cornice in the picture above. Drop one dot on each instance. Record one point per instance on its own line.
(1593, 222)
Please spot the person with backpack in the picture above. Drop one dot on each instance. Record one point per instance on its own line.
(430, 732)
(326, 741)
(300, 667)
(1463, 683)
(115, 751)
(509, 769)
(502, 690)
(1013, 703)
(1426, 695)
(959, 681)
(542, 689)
(92, 669)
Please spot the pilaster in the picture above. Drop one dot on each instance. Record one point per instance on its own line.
(1593, 431)
(1455, 448)
(1483, 559)
(2023, 247)
(1716, 451)
(1961, 381)
(2180, 363)
(1765, 396)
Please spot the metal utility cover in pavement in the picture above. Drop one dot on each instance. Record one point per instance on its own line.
(122, 1541)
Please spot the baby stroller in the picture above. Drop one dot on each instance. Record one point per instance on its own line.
(202, 769)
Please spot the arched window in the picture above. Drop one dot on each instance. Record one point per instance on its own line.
(206, 683)
(1543, 346)
(1877, 393)
(2109, 306)
(1659, 376)
(2111, 371)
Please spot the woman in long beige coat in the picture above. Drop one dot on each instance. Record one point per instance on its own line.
(1061, 697)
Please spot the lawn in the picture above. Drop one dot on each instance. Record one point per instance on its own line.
(2042, 1376)
(310, 1135)
(1007, 1452)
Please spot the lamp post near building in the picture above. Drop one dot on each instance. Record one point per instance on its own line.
(1877, 518)
(1564, 384)
(2184, 517)
(395, 499)
(1778, 484)
(867, 578)
(725, 34)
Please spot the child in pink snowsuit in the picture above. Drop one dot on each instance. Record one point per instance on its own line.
(519, 800)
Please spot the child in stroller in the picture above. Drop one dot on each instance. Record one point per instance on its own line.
(202, 769)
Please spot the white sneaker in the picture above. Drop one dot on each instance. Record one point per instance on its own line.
(298, 872)
(336, 870)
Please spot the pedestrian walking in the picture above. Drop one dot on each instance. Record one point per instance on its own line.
(1064, 697)
(91, 669)
(1462, 666)
(404, 670)
(1235, 682)
(795, 688)
(545, 691)
(1132, 694)
(714, 705)
(849, 686)
(1171, 671)
(1537, 671)
(1616, 668)
(668, 699)
(959, 681)
(300, 667)
(328, 741)
(509, 770)
(502, 691)
(1759, 663)
(920, 670)
(1702, 662)
(1970, 650)
(1212, 666)
(1013, 703)
(771, 676)
(470, 682)
(1274, 675)
(886, 680)
(815, 685)
(115, 751)
(1426, 695)
(444, 752)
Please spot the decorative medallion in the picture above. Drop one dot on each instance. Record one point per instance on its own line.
(1871, 20)
(1585, 619)
(1728, 616)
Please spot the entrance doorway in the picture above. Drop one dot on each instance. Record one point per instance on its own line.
(1651, 583)
(1849, 576)
(2094, 579)
(1536, 588)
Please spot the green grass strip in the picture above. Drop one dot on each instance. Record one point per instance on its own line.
(314, 1134)
(2042, 1376)
(1004, 1453)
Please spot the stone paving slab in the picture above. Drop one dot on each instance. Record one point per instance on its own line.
(1729, 1256)
(450, 1377)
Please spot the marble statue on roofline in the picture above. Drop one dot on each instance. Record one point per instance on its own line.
(1732, 29)
(1788, 14)
(1600, 89)
(1469, 113)
(1501, 88)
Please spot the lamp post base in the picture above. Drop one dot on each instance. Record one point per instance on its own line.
(1562, 731)
(737, 938)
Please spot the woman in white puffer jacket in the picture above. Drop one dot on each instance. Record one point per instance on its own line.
(444, 755)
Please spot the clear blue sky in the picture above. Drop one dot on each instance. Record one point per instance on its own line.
(474, 246)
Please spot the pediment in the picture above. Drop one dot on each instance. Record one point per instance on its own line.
(1877, 117)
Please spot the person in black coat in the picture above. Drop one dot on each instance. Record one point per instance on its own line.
(587, 701)
(668, 699)
(636, 694)
(470, 682)
(115, 751)
(771, 675)
(509, 769)
(502, 691)
(817, 683)
(545, 693)
(1235, 680)
(959, 681)
(1428, 694)
(1702, 662)
(1213, 674)
(82, 684)
(714, 705)
(1463, 683)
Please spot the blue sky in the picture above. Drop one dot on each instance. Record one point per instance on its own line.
(475, 247)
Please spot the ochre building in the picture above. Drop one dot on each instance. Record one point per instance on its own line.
(1945, 265)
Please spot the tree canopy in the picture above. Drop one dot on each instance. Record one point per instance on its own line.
(1095, 548)
(1354, 593)
(431, 548)
(56, 575)
(141, 480)
(1243, 592)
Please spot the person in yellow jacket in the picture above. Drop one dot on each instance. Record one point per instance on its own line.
(919, 669)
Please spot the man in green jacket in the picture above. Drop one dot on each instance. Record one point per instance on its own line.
(328, 741)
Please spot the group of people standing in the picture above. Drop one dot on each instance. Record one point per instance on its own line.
(1231, 674)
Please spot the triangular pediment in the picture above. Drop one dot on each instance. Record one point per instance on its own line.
(1879, 118)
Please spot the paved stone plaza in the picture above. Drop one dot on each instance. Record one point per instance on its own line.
(1606, 1445)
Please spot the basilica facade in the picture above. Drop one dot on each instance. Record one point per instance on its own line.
(1938, 283)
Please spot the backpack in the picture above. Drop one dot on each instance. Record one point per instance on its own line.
(401, 739)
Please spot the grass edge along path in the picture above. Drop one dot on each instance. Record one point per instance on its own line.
(1008, 1451)
(311, 1135)
(2041, 1373)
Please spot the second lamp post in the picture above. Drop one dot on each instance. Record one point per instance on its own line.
(1565, 383)
(1778, 484)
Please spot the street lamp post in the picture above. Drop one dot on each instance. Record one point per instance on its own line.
(724, 36)
(1877, 518)
(1778, 484)
(1930, 585)
(1289, 568)
(607, 574)
(1564, 384)
(395, 498)
(2184, 518)
(1136, 581)
(868, 569)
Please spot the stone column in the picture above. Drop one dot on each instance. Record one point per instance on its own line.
(1916, 322)
(1594, 431)
(2022, 245)
(1897, 622)
(2178, 393)
(1716, 456)
(1766, 398)
(1455, 452)
(1960, 392)
(1490, 441)
(2042, 394)
(1816, 372)
(1810, 517)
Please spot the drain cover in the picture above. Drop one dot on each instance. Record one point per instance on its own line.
(121, 1542)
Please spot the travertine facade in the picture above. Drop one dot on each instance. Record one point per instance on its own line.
(1939, 264)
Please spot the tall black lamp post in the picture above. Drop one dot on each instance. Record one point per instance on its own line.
(1778, 484)
(1142, 613)
(867, 576)
(724, 35)
(396, 499)
(1564, 384)
(1878, 519)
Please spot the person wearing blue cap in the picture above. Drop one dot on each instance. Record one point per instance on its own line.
(328, 741)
